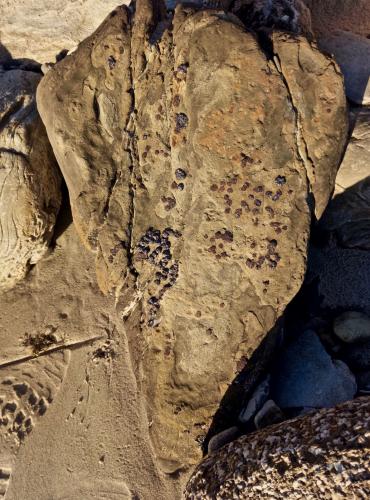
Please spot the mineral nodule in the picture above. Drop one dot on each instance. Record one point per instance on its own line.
(193, 161)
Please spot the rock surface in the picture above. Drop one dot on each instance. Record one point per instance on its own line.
(222, 438)
(355, 165)
(340, 277)
(352, 326)
(357, 356)
(29, 178)
(347, 15)
(363, 379)
(306, 375)
(188, 166)
(281, 15)
(347, 216)
(49, 27)
(269, 414)
(309, 457)
(256, 401)
(352, 53)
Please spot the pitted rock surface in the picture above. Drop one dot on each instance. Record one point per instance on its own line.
(322, 455)
(29, 178)
(184, 150)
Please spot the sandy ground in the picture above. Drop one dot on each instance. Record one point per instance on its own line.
(72, 422)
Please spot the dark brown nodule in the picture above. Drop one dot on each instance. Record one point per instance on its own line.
(181, 174)
(111, 62)
(181, 121)
(226, 236)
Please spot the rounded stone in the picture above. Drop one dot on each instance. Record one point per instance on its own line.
(305, 375)
(352, 326)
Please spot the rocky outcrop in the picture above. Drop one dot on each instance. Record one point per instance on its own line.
(29, 178)
(41, 29)
(193, 161)
(315, 456)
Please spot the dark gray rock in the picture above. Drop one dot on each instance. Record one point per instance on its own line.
(352, 326)
(357, 356)
(222, 438)
(269, 414)
(257, 400)
(306, 375)
(363, 381)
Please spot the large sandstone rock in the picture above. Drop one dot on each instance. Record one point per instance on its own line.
(321, 455)
(29, 178)
(192, 176)
(41, 29)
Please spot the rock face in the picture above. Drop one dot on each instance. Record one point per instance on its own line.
(309, 457)
(352, 53)
(307, 376)
(29, 178)
(269, 414)
(49, 27)
(282, 15)
(355, 165)
(257, 400)
(191, 170)
(346, 15)
(357, 356)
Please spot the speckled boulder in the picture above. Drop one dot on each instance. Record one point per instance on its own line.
(30, 192)
(185, 154)
(322, 455)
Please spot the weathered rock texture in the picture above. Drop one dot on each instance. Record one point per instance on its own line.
(191, 168)
(41, 29)
(29, 178)
(325, 455)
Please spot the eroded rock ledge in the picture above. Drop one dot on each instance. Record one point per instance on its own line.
(194, 162)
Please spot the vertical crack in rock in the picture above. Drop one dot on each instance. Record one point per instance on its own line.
(303, 157)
